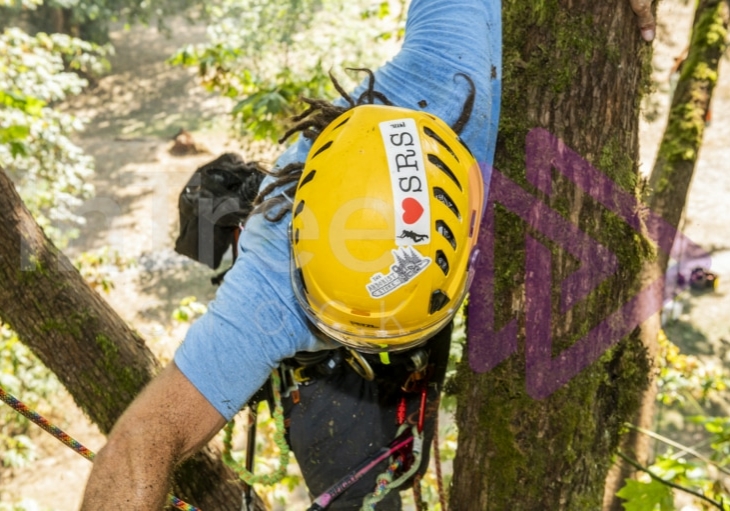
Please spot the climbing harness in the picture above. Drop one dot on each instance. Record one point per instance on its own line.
(39, 420)
(405, 452)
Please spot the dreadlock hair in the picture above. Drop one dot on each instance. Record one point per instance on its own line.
(312, 122)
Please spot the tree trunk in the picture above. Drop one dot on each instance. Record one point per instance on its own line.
(97, 357)
(667, 195)
(679, 149)
(540, 419)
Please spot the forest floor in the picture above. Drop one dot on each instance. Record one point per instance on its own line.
(133, 114)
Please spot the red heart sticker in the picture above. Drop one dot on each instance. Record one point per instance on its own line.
(412, 210)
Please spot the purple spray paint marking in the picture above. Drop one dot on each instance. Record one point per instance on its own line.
(545, 374)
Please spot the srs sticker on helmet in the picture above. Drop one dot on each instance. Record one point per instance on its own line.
(408, 264)
(408, 180)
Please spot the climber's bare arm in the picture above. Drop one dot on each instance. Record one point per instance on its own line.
(168, 421)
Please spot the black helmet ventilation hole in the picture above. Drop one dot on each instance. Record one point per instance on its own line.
(442, 262)
(322, 149)
(444, 168)
(444, 197)
(340, 125)
(430, 133)
(296, 236)
(438, 300)
(299, 208)
(444, 231)
(307, 178)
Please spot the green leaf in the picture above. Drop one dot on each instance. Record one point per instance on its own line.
(653, 496)
(18, 149)
(28, 104)
(13, 134)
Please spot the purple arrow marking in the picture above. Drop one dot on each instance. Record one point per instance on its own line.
(545, 374)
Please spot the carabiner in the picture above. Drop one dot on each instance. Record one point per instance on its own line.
(360, 365)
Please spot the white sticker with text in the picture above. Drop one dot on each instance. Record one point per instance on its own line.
(408, 180)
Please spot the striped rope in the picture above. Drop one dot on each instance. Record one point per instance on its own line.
(35, 417)
(57, 432)
(385, 479)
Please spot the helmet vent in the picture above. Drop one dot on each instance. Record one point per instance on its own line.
(429, 132)
(322, 149)
(444, 168)
(444, 197)
(438, 300)
(340, 125)
(307, 178)
(299, 208)
(442, 262)
(296, 236)
(444, 231)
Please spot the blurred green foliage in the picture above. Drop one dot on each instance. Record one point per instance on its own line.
(50, 172)
(90, 20)
(268, 53)
(687, 384)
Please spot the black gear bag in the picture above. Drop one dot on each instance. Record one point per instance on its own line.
(214, 203)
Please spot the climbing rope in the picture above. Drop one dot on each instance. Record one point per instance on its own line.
(35, 417)
(437, 463)
(279, 439)
(57, 432)
(381, 484)
(385, 481)
(417, 498)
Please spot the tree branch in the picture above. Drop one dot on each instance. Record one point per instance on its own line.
(638, 466)
(684, 448)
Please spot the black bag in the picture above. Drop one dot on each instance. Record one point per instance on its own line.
(213, 205)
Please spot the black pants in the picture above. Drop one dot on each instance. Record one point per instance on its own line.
(342, 419)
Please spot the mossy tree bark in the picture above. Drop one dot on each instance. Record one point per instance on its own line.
(97, 357)
(576, 68)
(668, 189)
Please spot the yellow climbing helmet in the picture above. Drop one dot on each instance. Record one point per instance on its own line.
(384, 223)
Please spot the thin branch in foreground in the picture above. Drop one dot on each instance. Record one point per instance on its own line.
(638, 466)
(684, 448)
